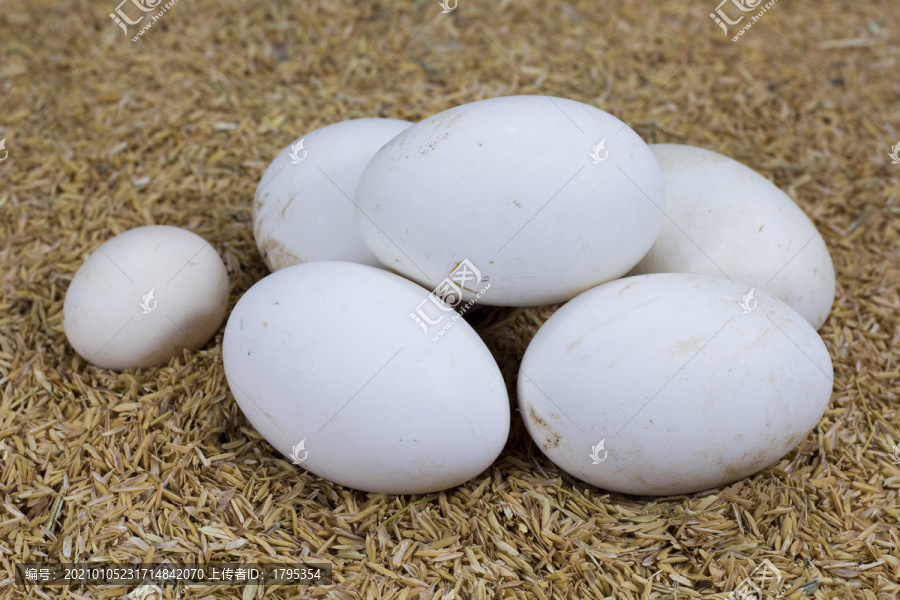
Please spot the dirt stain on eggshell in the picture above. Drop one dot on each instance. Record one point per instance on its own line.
(689, 346)
(277, 255)
(440, 131)
(541, 424)
(288, 205)
(258, 201)
(751, 461)
(625, 289)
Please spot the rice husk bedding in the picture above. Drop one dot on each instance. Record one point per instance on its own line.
(104, 134)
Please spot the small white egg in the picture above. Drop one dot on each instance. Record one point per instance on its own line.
(144, 296)
(726, 220)
(303, 208)
(326, 363)
(672, 383)
(549, 197)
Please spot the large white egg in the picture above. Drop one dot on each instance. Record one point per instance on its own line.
(144, 296)
(672, 383)
(303, 207)
(546, 196)
(326, 363)
(726, 220)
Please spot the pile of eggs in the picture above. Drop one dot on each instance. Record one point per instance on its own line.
(686, 355)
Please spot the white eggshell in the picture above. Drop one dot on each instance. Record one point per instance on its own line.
(326, 354)
(303, 208)
(144, 296)
(681, 388)
(511, 184)
(726, 220)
